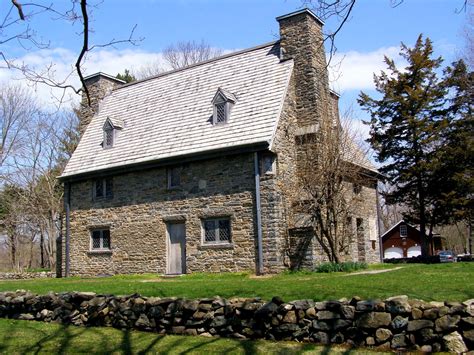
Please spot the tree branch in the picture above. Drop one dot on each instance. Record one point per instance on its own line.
(19, 8)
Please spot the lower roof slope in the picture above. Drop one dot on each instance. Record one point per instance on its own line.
(170, 115)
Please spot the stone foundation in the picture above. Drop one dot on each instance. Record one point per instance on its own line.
(396, 323)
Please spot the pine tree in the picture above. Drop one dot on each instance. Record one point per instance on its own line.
(405, 127)
(453, 166)
(126, 76)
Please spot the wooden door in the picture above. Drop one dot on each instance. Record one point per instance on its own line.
(176, 258)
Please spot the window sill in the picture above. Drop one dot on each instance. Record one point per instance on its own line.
(100, 252)
(216, 246)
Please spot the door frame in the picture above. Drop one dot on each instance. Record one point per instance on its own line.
(183, 250)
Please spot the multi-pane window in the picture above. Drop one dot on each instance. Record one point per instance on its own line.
(108, 137)
(174, 177)
(403, 230)
(103, 188)
(100, 239)
(221, 115)
(222, 104)
(216, 231)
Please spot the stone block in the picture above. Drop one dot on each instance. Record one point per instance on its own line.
(374, 320)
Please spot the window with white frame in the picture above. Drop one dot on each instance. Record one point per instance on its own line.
(403, 231)
(174, 177)
(216, 231)
(103, 189)
(100, 239)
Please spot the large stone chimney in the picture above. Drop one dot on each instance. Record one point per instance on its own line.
(99, 85)
(301, 39)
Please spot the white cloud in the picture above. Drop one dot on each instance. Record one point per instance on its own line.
(355, 70)
(58, 63)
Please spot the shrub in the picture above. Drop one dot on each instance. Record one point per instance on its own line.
(341, 267)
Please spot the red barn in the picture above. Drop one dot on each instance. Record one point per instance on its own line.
(404, 241)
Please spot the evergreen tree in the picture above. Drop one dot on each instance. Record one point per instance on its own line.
(453, 166)
(405, 128)
(126, 76)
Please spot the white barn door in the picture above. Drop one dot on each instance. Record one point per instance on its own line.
(176, 253)
(393, 253)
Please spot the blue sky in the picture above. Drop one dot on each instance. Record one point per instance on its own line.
(375, 28)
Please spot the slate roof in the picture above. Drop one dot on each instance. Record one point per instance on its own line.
(170, 115)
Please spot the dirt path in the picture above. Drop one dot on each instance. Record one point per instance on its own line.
(373, 271)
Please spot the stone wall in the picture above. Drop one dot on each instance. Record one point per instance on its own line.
(26, 275)
(142, 205)
(396, 323)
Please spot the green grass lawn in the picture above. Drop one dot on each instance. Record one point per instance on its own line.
(450, 282)
(27, 337)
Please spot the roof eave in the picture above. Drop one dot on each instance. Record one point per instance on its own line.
(180, 159)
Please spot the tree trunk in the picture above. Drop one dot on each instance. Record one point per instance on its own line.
(42, 249)
(12, 250)
(422, 216)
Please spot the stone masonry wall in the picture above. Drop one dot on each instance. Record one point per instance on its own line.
(141, 207)
(301, 39)
(274, 191)
(98, 86)
(395, 323)
(24, 275)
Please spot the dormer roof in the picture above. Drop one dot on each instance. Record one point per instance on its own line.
(225, 94)
(113, 122)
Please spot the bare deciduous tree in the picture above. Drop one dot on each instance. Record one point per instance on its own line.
(331, 172)
(17, 26)
(342, 10)
(179, 55)
(184, 54)
(16, 111)
(31, 195)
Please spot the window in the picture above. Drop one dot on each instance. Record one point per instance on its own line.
(356, 188)
(100, 239)
(222, 104)
(403, 231)
(360, 226)
(220, 115)
(103, 188)
(216, 231)
(267, 164)
(108, 137)
(110, 128)
(174, 177)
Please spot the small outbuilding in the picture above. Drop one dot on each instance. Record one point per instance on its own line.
(404, 241)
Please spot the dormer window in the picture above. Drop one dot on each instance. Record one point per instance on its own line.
(222, 102)
(110, 128)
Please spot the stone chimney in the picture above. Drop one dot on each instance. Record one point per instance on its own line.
(99, 85)
(301, 39)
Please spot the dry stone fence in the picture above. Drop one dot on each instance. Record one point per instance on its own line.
(395, 323)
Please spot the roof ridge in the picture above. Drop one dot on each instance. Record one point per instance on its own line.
(268, 44)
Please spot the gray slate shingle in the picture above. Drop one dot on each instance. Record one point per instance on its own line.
(170, 115)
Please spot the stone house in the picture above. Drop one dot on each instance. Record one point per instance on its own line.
(183, 172)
